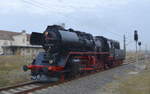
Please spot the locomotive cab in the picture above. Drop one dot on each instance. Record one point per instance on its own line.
(115, 50)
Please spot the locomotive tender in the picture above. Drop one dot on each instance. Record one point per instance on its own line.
(69, 53)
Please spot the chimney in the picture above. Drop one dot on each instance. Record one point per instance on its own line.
(23, 31)
(63, 25)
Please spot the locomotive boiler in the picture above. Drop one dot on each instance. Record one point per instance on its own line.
(69, 53)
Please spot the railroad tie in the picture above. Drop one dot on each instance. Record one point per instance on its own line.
(5, 92)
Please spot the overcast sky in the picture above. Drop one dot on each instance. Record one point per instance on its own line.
(110, 18)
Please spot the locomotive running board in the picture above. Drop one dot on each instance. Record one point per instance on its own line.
(89, 53)
(85, 54)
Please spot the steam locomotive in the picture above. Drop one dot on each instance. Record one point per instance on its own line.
(68, 53)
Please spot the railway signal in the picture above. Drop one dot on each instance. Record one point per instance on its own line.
(136, 41)
(139, 43)
(136, 38)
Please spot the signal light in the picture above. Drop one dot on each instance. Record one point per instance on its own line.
(136, 35)
(139, 43)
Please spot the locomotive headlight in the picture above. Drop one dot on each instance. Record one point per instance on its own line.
(51, 61)
(46, 33)
(25, 68)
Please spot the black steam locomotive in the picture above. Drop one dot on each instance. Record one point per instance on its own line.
(69, 53)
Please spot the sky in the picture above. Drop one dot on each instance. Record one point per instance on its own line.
(109, 18)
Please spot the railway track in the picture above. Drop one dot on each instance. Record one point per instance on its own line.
(133, 60)
(20, 88)
(28, 87)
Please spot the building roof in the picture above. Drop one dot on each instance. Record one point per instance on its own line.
(8, 35)
(19, 46)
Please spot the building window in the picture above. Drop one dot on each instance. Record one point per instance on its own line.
(23, 40)
(5, 43)
(28, 50)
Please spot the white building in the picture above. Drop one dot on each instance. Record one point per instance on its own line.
(16, 43)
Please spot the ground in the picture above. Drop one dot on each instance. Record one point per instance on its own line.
(136, 82)
(11, 70)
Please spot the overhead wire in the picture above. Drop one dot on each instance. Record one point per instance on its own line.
(117, 34)
(42, 6)
(33, 4)
(114, 33)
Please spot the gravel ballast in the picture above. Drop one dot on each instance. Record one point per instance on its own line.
(90, 84)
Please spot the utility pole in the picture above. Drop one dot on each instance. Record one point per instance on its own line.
(124, 41)
(146, 51)
(146, 48)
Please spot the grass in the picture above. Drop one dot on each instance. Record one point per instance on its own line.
(11, 70)
(137, 84)
(131, 84)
